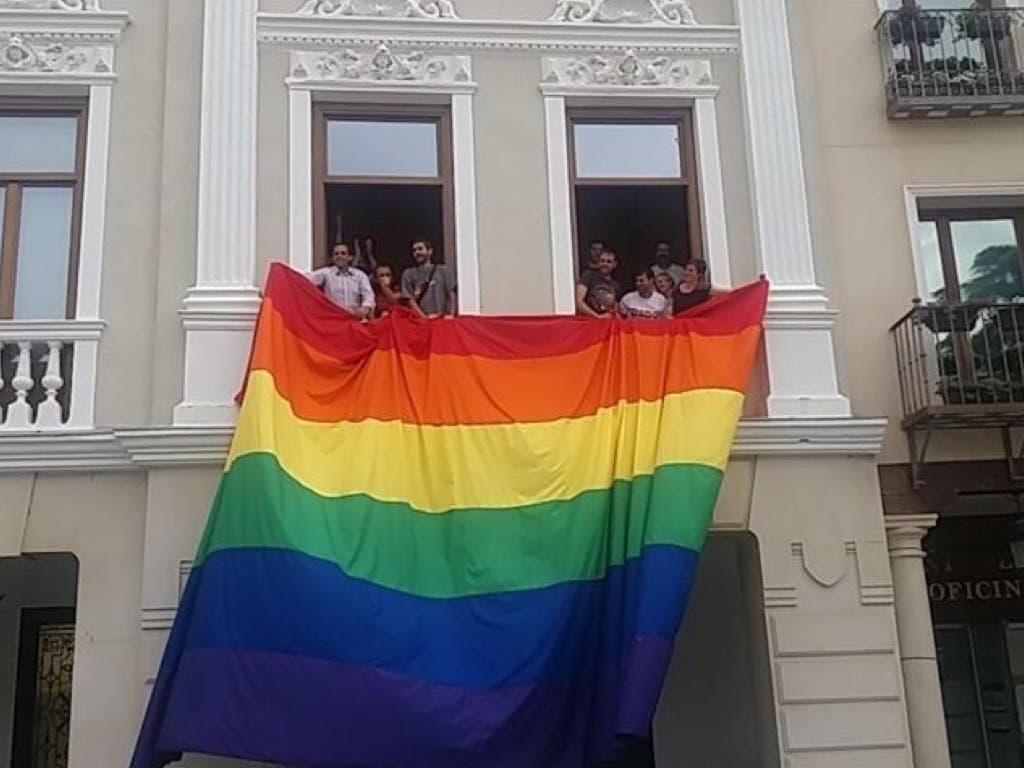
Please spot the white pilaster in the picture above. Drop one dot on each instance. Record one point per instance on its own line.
(916, 639)
(90, 265)
(798, 336)
(219, 310)
(300, 176)
(716, 240)
(559, 206)
(463, 160)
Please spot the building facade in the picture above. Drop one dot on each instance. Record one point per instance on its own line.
(157, 155)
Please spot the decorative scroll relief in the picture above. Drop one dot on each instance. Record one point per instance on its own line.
(624, 11)
(52, 5)
(629, 69)
(380, 65)
(421, 9)
(19, 54)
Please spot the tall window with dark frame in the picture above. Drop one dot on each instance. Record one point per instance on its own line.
(971, 254)
(384, 174)
(973, 270)
(633, 175)
(42, 156)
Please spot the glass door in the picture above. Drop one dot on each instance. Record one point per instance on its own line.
(980, 665)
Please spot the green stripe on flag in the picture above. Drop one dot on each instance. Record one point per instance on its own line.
(466, 551)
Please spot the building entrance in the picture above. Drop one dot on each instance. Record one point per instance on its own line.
(976, 589)
(981, 668)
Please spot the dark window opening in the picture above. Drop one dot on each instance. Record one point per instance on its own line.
(382, 173)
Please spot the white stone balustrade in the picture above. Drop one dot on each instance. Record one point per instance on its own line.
(38, 390)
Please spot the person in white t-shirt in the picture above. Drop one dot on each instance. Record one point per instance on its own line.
(644, 302)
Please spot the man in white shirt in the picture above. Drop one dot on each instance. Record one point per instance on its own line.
(344, 285)
(644, 302)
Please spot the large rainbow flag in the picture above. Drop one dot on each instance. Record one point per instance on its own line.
(455, 543)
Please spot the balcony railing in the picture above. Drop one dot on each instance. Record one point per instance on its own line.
(961, 366)
(952, 63)
(36, 363)
(961, 362)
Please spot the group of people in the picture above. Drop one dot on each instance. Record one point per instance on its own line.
(357, 283)
(662, 289)
(368, 289)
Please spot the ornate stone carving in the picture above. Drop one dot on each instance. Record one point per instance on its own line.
(422, 9)
(18, 54)
(625, 11)
(380, 64)
(52, 5)
(628, 69)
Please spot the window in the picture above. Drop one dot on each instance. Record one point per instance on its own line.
(633, 176)
(385, 174)
(42, 154)
(971, 254)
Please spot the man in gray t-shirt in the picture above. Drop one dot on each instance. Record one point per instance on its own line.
(430, 286)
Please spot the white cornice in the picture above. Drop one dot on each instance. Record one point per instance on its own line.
(460, 35)
(58, 47)
(809, 437)
(141, 448)
(97, 27)
(87, 451)
(175, 446)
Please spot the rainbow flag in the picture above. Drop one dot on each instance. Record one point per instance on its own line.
(451, 543)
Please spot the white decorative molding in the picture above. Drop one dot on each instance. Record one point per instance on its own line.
(64, 330)
(52, 5)
(66, 26)
(18, 54)
(420, 9)
(306, 32)
(57, 47)
(825, 565)
(628, 69)
(809, 437)
(175, 446)
(624, 11)
(904, 534)
(378, 66)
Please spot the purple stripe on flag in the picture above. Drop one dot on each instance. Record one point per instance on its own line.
(295, 710)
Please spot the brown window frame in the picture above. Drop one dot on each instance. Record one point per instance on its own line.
(14, 183)
(439, 114)
(682, 118)
(942, 217)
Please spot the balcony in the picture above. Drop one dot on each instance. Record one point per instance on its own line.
(952, 63)
(37, 388)
(960, 366)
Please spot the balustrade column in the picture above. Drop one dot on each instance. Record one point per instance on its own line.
(798, 326)
(219, 311)
(917, 640)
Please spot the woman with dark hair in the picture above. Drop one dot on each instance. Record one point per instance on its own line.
(693, 288)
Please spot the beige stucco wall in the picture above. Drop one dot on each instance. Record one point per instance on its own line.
(859, 162)
(131, 254)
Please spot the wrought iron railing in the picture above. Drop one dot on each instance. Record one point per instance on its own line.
(952, 62)
(960, 360)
